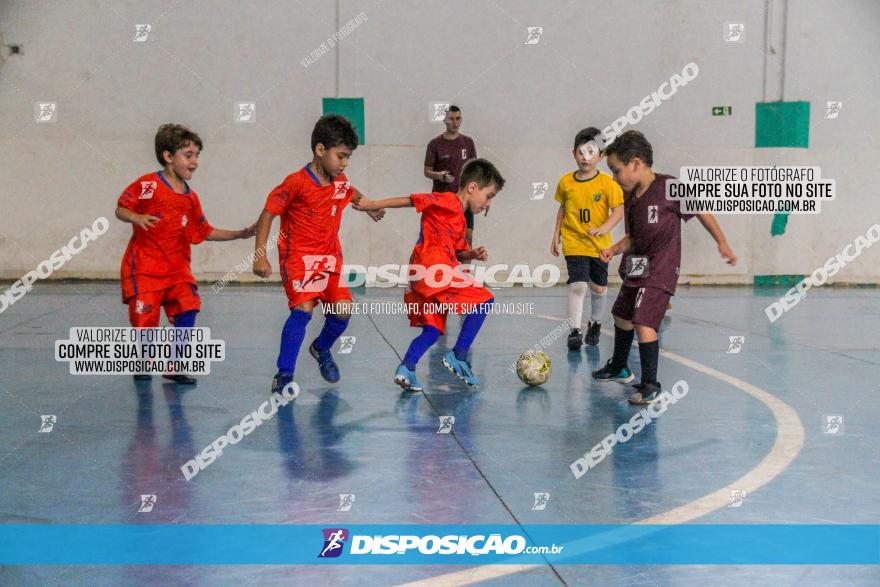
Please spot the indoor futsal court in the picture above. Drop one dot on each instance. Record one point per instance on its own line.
(435, 294)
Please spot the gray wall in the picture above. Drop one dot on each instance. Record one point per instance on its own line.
(521, 103)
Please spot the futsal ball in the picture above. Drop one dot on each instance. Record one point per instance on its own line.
(533, 367)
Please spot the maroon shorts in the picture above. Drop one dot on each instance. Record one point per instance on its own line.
(641, 305)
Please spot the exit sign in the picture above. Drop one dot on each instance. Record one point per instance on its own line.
(722, 110)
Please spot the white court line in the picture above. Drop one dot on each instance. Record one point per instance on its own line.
(788, 444)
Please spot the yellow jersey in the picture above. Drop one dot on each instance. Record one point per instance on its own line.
(588, 204)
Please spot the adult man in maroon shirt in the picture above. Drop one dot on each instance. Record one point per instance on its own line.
(652, 252)
(446, 155)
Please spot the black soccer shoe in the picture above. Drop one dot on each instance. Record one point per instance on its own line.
(180, 379)
(594, 330)
(574, 340)
(645, 394)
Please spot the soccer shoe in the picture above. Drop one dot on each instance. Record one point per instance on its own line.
(606, 373)
(461, 369)
(594, 329)
(329, 370)
(645, 393)
(180, 379)
(406, 379)
(280, 381)
(574, 339)
(143, 377)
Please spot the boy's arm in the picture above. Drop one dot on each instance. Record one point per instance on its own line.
(223, 234)
(605, 227)
(376, 215)
(620, 247)
(479, 254)
(364, 203)
(145, 221)
(262, 267)
(554, 244)
(711, 225)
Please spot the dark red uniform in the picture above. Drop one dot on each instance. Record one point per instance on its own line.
(653, 225)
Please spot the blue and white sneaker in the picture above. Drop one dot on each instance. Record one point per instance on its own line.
(406, 379)
(461, 369)
(606, 373)
(329, 370)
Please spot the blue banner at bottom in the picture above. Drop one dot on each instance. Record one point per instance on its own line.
(438, 544)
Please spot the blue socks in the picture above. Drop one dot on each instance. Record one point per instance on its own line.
(419, 346)
(183, 320)
(473, 321)
(292, 336)
(333, 329)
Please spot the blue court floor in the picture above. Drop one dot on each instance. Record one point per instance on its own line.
(115, 440)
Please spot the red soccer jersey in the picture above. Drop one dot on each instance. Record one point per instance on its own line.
(310, 216)
(442, 234)
(159, 258)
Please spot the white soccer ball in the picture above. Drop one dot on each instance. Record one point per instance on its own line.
(533, 367)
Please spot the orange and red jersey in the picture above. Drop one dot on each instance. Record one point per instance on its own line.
(441, 236)
(309, 244)
(158, 258)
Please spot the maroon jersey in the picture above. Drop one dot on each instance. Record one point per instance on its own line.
(653, 224)
(445, 155)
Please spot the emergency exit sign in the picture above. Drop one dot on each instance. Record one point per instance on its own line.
(722, 110)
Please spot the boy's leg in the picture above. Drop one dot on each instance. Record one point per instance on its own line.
(616, 368)
(647, 317)
(336, 299)
(144, 312)
(472, 323)
(405, 376)
(476, 302)
(578, 277)
(598, 289)
(292, 336)
(182, 303)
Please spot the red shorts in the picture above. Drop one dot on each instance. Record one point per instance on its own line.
(641, 305)
(432, 311)
(328, 290)
(143, 308)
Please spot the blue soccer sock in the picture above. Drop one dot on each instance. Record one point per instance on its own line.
(183, 320)
(419, 346)
(333, 329)
(473, 321)
(292, 336)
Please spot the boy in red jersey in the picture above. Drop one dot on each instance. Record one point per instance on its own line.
(442, 287)
(167, 218)
(310, 203)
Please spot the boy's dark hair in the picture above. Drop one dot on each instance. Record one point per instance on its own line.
(171, 137)
(334, 130)
(453, 108)
(587, 135)
(481, 171)
(630, 145)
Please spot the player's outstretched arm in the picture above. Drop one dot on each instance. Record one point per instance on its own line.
(145, 221)
(376, 215)
(262, 267)
(366, 204)
(605, 227)
(224, 234)
(711, 225)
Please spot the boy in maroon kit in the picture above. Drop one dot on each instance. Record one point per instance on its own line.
(652, 252)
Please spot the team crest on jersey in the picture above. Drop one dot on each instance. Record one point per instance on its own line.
(184, 220)
(639, 295)
(148, 188)
(141, 308)
(597, 197)
(652, 214)
(341, 189)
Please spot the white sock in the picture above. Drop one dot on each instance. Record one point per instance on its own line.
(577, 291)
(597, 305)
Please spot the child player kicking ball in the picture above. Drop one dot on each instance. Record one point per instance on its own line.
(310, 203)
(590, 205)
(652, 246)
(443, 287)
(167, 218)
